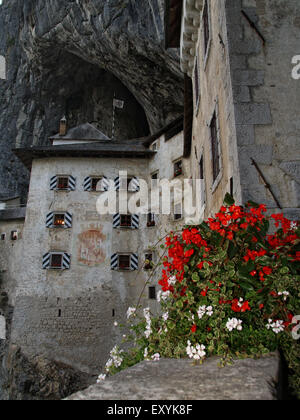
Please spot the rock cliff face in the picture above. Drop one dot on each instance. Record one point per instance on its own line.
(71, 57)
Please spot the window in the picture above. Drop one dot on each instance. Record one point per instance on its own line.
(96, 183)
(196, 83)
(231, 187)
(59, 220)
(178, 170)
(155, 146)
(202, 182)
(215, 147)
(148, 262)
(62, 183)
(201, 168)
(152, 293)
(206, 27)
(126, 220)
(56, 260)
(151, 220)
(155, 175)
(124, 262)
(3, 236)
(14, 235)
(131, 184)
(178, 212)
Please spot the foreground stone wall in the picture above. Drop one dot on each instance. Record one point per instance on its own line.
(171, 379)
(266, 99)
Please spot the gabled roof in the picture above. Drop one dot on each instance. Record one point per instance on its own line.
(82, 132)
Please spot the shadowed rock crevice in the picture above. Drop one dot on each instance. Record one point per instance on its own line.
(77, 54)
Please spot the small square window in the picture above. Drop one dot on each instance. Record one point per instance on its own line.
(63, 183)
(3, 236)
(56, 261)
(148, 262)
(126, 220)
(14, 235)
(124, 262)
(59, 220)
(152, 293)
(178, 169)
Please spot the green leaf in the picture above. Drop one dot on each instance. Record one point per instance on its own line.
(229, 200)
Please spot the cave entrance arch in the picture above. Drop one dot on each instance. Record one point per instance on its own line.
(83, 92)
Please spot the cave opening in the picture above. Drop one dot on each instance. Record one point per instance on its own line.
(83, 93)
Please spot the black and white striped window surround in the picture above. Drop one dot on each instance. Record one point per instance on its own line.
(122, 262)
(126, 221)
(59, 220)
(100, 184)
(132, 184)
(57, 261)
(63, 183)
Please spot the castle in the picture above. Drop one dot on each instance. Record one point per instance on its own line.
(71, 273)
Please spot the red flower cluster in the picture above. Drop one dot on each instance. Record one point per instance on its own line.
(252, 255)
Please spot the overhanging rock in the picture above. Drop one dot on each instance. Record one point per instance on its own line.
(171, 379)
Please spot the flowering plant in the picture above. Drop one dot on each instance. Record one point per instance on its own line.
(229, 288)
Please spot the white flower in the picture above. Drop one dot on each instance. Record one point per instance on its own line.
(101, 378)
(163, 296)
(234, 324)
(284, 294)
(146, 353)
(156, 357)
(116, 324)
(196, 353)
(276, 326)
(172, 281)
(209, 311)
(293, 225)
(130, 312)
(165, 316)
(203, 310)
(115, 358)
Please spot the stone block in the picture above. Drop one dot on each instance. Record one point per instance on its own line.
(241, 94)
(256, 114)
(248, 77)
(260, 153)
(292, 169)
(171, 379)
(245, 135)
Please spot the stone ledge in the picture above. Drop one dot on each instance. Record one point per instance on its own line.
(171, 379)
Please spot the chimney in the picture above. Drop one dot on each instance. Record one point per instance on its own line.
(63, 127)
